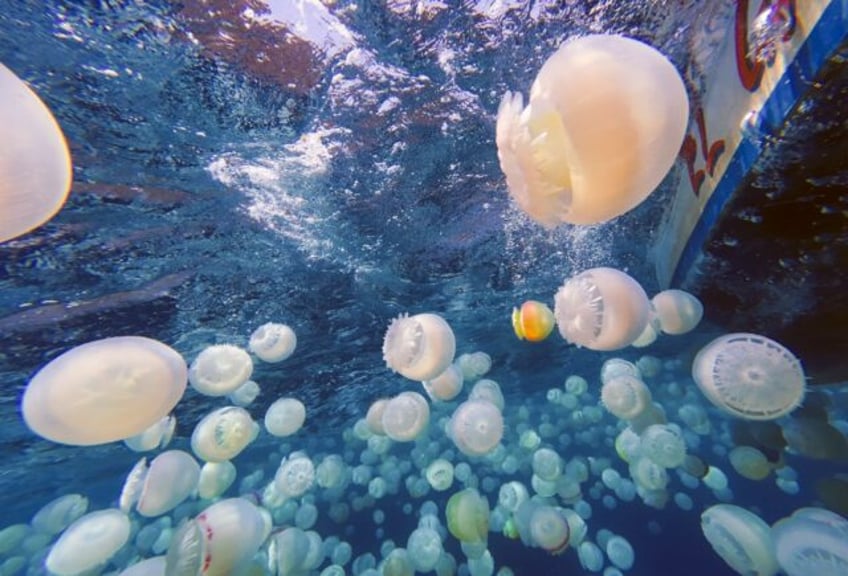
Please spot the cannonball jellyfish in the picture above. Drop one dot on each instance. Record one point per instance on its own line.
(812, 541)
(88, 543)
(467, 514)
(220, 541)
(406, 416)
(534, 321)
(220, 370)
(678, 311)
(476, 427)
(625, 397)
(35, 165)
(601, 309)
(446, 386)
(104, 390)
(223, 434)
(273, 342)
(285, 417)
(603, 125)
(741, 538)
(749, 376)
(171, 478)
(419, 347)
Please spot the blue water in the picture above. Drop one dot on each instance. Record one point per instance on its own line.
(355, 180)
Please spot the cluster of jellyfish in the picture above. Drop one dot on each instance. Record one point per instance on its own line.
(464, 464)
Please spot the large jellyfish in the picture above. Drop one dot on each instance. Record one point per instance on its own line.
(812, 541)
(603, 125)
(601, 309)
(741, 538)
(104, 390)
(419, 347)
(35, 165)
(88, 543)
(749, 376)
(171, 478)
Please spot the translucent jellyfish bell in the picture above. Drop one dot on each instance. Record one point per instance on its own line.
(488, 390)
(534, 321)
(678, 312)
(406, 416)
(749, 376)
(57, 514)
(741, 538)
(295, 476)
(88, 543)
(812, 541)
(603, 125)
(439, 474)
(35, 165)
(542, 526)
(156, 436)
(223, 434)
(104, 390)
(749, 462)
(215, 478)
(285, 417)
(664, 445)
(419, 347)
(171, 478)
(467, 515)
(273, 342)
(220, 541)
(446, 386)
(425, 547)
(220, 370)
(476, 427)
(625, 397)
(601, 309)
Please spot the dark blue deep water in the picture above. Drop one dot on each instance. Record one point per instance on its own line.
(331, 165)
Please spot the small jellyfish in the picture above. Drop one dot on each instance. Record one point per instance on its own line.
(419, 347)
(625, 397)
(749, 376)
(104, 390)
(663, 444)
(295, 476)
(156, 436)
(273, 342)
(215, 478)
(35, 166)
(245, 394)
(88, 543)
(446, 386)
(601, 309)
(547, 464)
(620, 552)
(678, 312)
(603, 125)
(591, 557)
(749, 462)
(439, 474)
(171, 478)
(223, 434)
(512, 494)
(467, 515)
(285, 417)
(425, 547)
(488, 390)
(542, 526)
(406, 416)
(58, 514)
(220, 370)
(741, 538)
(374, 416)
(476, 427)
(534, 321)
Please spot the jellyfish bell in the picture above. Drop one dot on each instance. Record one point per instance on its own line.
(542, 526)
(406, 416)
(222, 434)
(215, 478)
(439, 474)
(295, 476)
(812, 541)
(285, 417)
(625, 396)
(88, 543)
(150, 567)
(476, 427)
(104, 390)
(677, 311)
(57, 514)
(467, 515)
(603, 125)
(749, 462)
(425, 547)
(533, 322)
(446, 386)
(487, 390)
(273, 342)
(419, 347)
(741, 538)
(219, 541)
(601, 309)
(374, 416)
(35, 165)
(171, 478)
(749, 376)
(156, 436)
(220, 370)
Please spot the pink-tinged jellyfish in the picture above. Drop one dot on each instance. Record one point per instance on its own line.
(171, 478)
(419, 347)
(220, 370)
(273, 342)
(88, 543)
